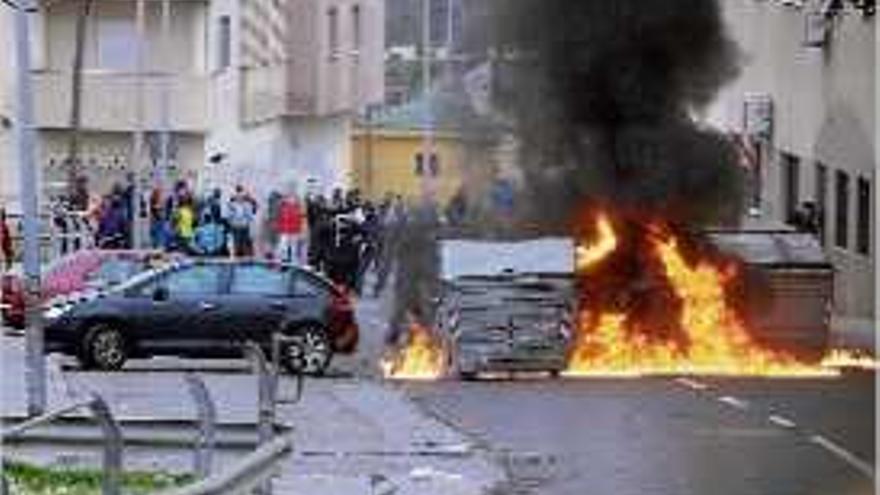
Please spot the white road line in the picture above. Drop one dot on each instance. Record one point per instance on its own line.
(862, 466)
(782, 421)
(734, 402)
(692, 384)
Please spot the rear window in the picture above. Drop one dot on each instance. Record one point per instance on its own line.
(305, 285)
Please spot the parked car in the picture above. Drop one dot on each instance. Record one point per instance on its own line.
(208, 309)
(90, 269)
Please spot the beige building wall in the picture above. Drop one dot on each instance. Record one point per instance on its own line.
(823, 100)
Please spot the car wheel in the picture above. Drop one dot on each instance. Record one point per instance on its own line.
(104, 348)
(310, 352)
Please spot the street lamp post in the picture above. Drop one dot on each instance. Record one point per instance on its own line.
(137, 151)
(35, 370)
(428, 142)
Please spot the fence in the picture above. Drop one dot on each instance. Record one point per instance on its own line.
(112, 458)
(60, 233)
(252, 474)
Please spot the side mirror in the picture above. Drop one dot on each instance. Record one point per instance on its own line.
(160, 294)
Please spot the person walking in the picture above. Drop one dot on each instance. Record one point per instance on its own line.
(290, 227)
(242, 211)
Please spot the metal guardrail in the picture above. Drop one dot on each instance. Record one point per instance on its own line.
(112, 458)
(207, 436)
(251, 473)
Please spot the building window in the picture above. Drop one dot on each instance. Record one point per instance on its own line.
(433, 166)
(356, 26)
(841, 207)
(790, 186)
(863, 220)
(821, 194)
(224, 43)
(117, 43)
(333, 31)
(420, 164)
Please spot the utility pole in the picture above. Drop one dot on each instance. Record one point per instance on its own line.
(165, 117)
(35, 370)
(138, 142)
(428, 143)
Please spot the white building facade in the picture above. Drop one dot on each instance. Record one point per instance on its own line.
(805, 101)
(299, 86)
(257, 92)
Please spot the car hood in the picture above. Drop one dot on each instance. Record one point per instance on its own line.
(74, 298)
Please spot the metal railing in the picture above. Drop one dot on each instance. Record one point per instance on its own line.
(249, 475)
(252, 474)
(60, 234)
(112, 455)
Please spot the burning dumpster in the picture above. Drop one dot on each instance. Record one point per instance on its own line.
(789, 282)
(506, 306)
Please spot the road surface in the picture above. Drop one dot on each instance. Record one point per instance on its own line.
(668, 436)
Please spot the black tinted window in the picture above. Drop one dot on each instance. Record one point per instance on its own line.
(260, 280)
(194, 280)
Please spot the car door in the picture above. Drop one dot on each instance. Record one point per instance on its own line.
(186, 310)
(259, 301)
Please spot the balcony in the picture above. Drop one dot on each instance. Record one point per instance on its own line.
(109, 100)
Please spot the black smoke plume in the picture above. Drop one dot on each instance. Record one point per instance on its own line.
(603, 95)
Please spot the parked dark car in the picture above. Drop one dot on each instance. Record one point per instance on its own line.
(89, 269)
(206, 309)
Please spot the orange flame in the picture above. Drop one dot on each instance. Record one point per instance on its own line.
(589, 255)
(423, 358)
(715, 339)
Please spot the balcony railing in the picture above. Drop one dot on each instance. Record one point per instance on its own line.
(109, 100)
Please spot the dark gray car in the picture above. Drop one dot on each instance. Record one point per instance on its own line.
(206, 309)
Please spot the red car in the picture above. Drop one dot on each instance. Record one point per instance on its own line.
(77, 272)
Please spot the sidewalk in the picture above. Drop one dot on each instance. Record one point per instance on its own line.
(349, 435)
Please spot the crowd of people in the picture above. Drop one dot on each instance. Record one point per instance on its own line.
(342, 235)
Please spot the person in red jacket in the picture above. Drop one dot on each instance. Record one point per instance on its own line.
(290, 226)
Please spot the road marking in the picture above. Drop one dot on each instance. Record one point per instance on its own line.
(734, 402)
(782, 421)
(843, 454)
(692, 384)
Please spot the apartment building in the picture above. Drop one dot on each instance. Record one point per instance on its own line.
(805, 106)
(303, 70)
(250, 91)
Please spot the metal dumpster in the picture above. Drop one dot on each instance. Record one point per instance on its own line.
(507, 306)
(789, 287)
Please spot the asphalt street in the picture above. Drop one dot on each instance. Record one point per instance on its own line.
(645, 436)
(669, 436)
